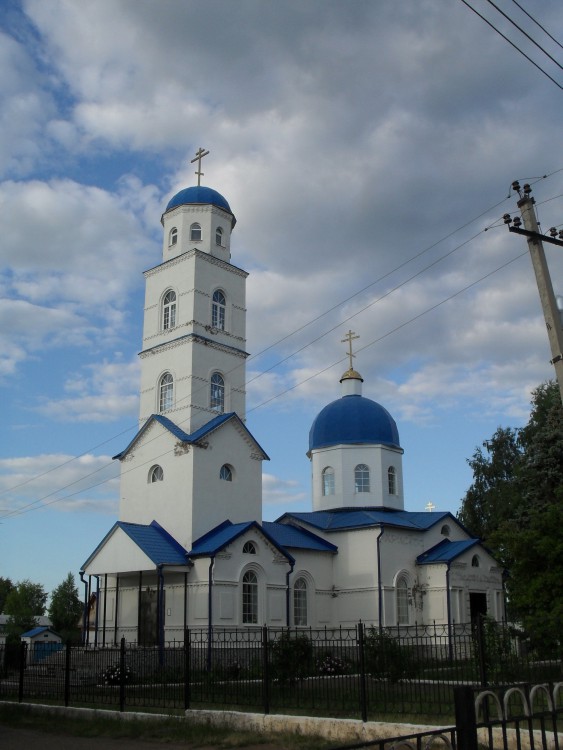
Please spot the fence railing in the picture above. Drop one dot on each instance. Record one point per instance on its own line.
(357, 672)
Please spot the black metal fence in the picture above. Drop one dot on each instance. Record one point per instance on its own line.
(354, 672)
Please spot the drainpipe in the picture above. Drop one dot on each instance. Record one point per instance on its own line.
(289, 572)
(85, 614)
(379, 583)
(210, 611)
(449, 611)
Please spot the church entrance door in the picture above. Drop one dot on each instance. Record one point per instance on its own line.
(148, 617)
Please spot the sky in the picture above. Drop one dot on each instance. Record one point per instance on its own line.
(366, 148)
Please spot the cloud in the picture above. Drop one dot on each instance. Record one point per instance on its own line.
(281, 492)
(59, 481)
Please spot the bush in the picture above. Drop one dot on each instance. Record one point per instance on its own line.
(387, 659)
(291, 657)
(112, 675)
(332, 665)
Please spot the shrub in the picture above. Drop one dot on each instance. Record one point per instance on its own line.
(112, 675)
(332, 665)
(291, 657)
(387, 659)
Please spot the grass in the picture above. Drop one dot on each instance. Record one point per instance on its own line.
(163, 731)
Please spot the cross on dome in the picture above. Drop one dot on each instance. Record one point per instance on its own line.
(350, 373)
(199, 154)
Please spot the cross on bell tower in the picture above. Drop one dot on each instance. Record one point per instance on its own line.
(199, 154)
(349, 337)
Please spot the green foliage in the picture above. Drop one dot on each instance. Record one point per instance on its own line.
(25, 602)
(113, 675)
(387, 659)
(291, 657)
(515, 504)
(66, 609)
(6, 586)
(500, 660)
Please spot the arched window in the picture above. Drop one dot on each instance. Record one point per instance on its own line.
(328, 481)
(250, 598)
(361, 478)
(445, 530)
(173, 236)
(217, 395)
(392, 480)
(156, 474)
(166, 392)
(218, 308)
(195, 232)
(300, 602)
(219, 237)
(402, 591)
(226, 473)
(475, 562)
(169, 310)
(249, 548)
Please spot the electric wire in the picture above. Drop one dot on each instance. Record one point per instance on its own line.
(535, 64)
(537, 23)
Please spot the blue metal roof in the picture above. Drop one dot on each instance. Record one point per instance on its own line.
(37, 631)
(219, 537)
(446, 551)
(346, 518)
(353, 420)
(199, 195)
(293, 537)
(157, 544)
(194, 437)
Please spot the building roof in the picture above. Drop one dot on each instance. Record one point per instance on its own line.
(357, 518)
(215, 540)
(294, 537)
(196, 436)
(37, 631)
(199, 195)
(353, 420)
(446, 551)
(156, 543)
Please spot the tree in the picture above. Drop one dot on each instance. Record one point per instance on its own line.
(6, 586)
(66, 608)
(25, 602)
(515, 504)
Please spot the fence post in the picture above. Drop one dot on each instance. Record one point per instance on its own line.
(363, 693)
(122, 675)
(67, 674)
(481, 651)
(187, 667)
(265, 671)
(465, 719)
(23, 659)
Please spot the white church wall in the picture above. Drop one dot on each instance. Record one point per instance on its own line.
(209, 218)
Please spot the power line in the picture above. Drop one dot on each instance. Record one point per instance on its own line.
(512, 44)
(537, 23)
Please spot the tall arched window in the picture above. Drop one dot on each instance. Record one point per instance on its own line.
(156, 474)
(392, 480)
(169, 310)
(402, 591)
(250, 598)
(195, 232)
(173, 236)
(361, 478)
(166, 392)
(300, 602)
(328, 481)
(219, 237)
(217, 395)
(218, 308)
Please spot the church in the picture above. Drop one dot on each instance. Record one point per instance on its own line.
(190, 548)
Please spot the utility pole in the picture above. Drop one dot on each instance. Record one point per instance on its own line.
(547, 297)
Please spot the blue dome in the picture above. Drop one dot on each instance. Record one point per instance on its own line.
(198, 194)
(353, 420)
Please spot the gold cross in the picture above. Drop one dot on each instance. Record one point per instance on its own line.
(198, 157)
(349, 338)
(429, 506)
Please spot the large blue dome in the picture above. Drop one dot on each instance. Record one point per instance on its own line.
(198, 194)
(353, 420)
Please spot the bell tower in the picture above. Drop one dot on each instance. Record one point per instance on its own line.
(194, 333)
